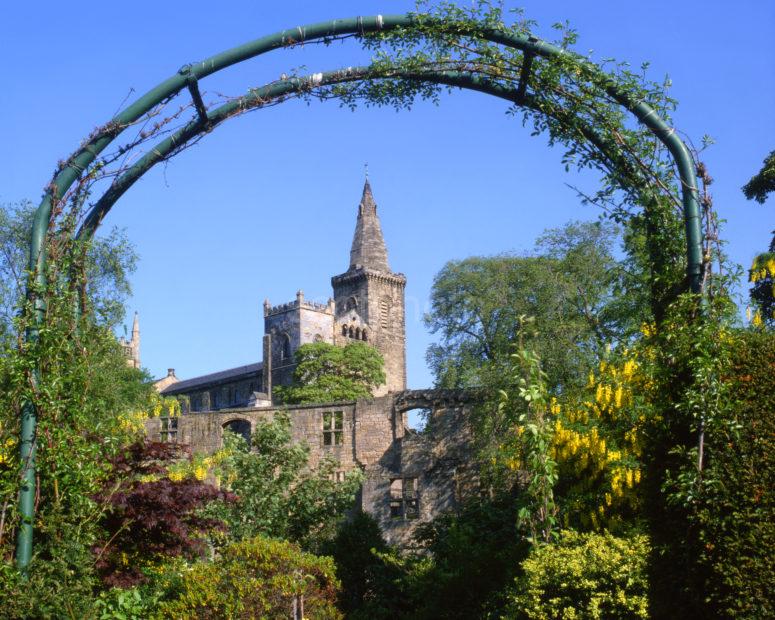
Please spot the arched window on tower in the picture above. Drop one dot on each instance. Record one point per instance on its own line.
(350, 331)
(363, 335)
(285, 351)
(357, 333)
(344, 330)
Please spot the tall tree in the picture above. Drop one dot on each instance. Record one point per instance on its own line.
(110, 260)
(763, 182)
(569, 284)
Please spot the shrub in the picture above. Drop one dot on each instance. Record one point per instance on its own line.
(584, 576)
(371, 584)
(149, 517)
(736, 515)
(255, 578)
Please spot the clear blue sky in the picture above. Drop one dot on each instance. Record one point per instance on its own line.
(266, 204)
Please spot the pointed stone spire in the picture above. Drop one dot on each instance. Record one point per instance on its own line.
(134, 343)
(368, 249)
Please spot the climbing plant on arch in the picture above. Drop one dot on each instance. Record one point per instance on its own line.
(608, 119)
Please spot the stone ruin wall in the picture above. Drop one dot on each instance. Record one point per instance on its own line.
(439, 460)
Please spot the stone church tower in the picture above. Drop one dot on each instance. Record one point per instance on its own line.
(369, 297)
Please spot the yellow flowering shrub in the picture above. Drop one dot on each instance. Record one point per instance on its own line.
(597, 444)
(584, 576)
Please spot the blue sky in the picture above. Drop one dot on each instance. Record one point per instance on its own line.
(266, 204)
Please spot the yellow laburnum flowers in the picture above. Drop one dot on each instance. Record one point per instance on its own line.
(763, 267)
(603, 462)
(7, 449)
(132, 421)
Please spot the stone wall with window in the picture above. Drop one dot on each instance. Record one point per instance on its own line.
(410, 477)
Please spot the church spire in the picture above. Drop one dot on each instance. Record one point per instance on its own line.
(368, 249)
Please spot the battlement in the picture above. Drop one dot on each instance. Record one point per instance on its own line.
(299, 303)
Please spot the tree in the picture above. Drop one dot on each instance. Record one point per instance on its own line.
(326, 373)
(278, 494)
(763, 182)
(110, 260)
(151, 517)
(568, 284)
(371, 582)
(762, 275)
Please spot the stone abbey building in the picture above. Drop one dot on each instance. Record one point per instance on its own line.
(410, 477)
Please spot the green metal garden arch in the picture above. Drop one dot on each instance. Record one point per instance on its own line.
(188, 77)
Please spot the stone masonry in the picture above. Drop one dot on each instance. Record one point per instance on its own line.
(410, 477)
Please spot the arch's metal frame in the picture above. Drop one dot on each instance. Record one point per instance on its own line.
(188, 76)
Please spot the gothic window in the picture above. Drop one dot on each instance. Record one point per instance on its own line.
(404, 500)
(350, 331)
(352, 303)
(357, 333)
(363, 336)
(169, 429)
(285, 352)
(333, 428)
(344, 330)
(384, 313)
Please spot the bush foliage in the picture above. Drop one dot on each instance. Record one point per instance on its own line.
(736, 515)
(591, 576)
(255, 578)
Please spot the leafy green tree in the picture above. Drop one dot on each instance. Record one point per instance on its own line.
(110, 261)
(569, 284)
(763, 182)
(326, 373)
(278, 494)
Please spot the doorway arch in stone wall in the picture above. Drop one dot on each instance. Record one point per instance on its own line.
(85, 160)
(238, 426)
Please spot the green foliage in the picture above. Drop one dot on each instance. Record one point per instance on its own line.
(371, 582)
(534, 433)
(326, 373)
(762, 276)
(110, 260)
(255, 578)
(584, 576)
(568, 285)
(475, 555)
(87, 401)
(124, 604)
(278, 494)
(763, 182)
(736, 514)
(86, 398)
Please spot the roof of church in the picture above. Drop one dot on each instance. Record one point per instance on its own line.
(368, 249)
(231, 374)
